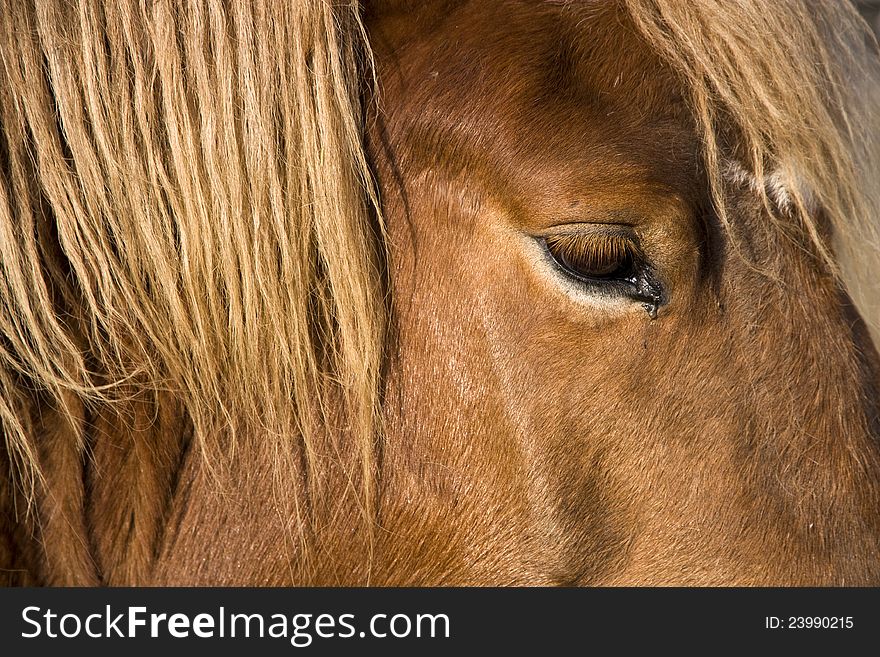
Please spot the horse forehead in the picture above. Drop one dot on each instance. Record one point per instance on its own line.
(522, 50)
(556, 98)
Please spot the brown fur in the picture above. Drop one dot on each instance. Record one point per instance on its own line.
(213, 425)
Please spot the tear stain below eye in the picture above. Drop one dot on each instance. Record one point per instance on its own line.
(650, 293)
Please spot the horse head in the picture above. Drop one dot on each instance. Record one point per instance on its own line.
(438, 292)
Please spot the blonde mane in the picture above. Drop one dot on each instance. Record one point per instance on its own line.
(186, 206)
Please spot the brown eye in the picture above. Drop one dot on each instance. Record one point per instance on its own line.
(594, 257)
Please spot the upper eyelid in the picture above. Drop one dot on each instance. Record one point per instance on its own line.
(621, 236)
(589, 232)
(599, 245)
(587, 229)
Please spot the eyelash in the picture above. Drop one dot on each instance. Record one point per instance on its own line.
(595, 258)
(611, 262)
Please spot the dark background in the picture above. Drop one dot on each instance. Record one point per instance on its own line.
(482, 621)
(871, 11)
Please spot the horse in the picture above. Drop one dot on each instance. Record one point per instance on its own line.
(438, 292)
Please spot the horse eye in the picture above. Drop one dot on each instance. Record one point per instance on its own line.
(594, 258)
